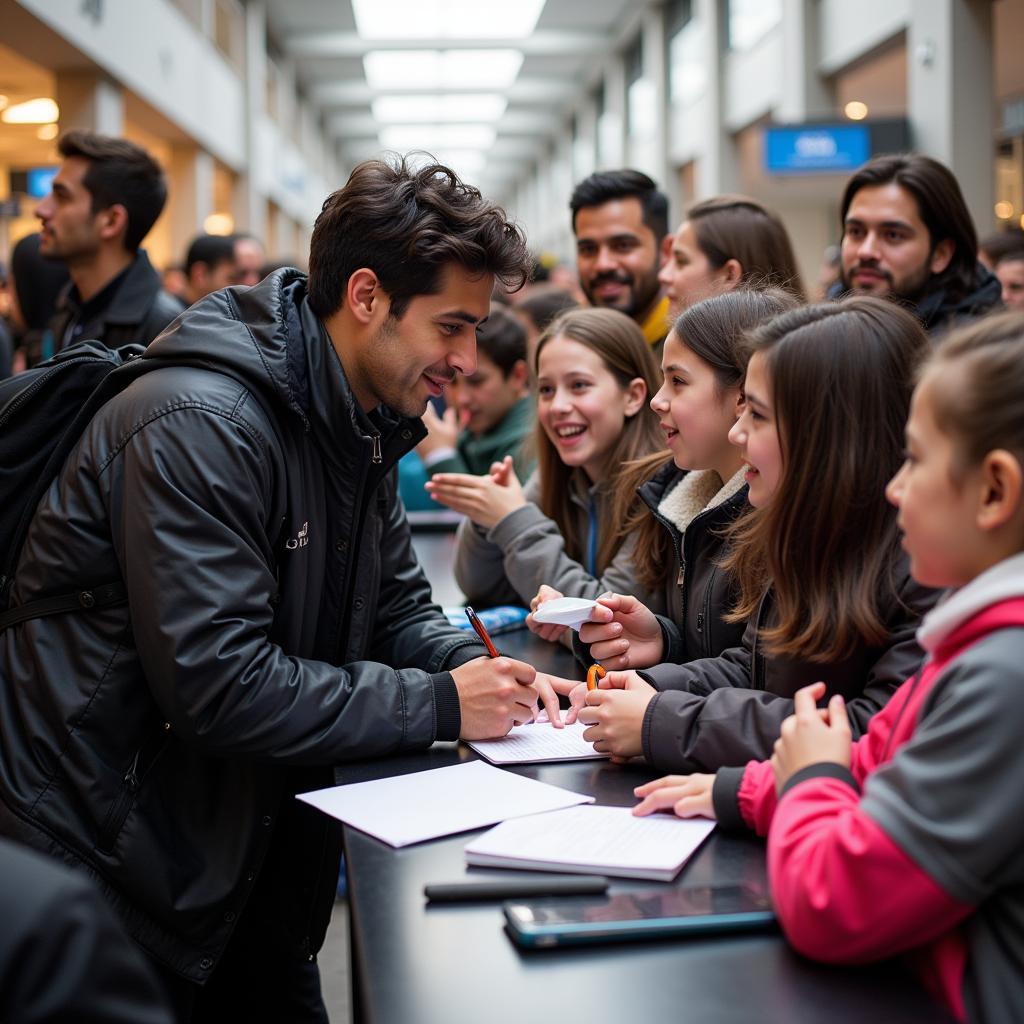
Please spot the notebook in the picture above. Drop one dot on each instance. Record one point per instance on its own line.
(536, 743)
(594, 841)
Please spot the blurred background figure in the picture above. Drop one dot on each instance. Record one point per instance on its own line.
(993, 248)
(209, 266)
(250, 256)
(1009, 269)
(537, 311)
(829, 273)
(724, 242)
(36, 284)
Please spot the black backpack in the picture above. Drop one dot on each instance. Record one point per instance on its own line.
(43, 413)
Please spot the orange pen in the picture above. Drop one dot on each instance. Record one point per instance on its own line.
(474, 621)
(594, 673)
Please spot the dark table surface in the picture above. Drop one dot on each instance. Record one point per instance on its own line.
(450, 964)
(418, 964)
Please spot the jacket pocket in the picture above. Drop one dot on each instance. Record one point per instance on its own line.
(143, 761)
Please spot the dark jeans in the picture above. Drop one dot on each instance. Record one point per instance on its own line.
(252, 984)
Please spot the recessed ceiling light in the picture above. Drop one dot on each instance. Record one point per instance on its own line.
(219, 224)
(855, 110)
(46, 132)
(446, 19)
(471, 107)
(441, 69)
(38, 111)
(437, 136)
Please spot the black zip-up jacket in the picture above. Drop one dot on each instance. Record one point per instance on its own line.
(700, 592)
(277, 624)
(939, 311)
(137, 312)
(725, 711)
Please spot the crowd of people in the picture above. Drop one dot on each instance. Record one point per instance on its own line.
(802, 522)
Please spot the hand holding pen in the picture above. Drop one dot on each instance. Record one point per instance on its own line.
(542, 683)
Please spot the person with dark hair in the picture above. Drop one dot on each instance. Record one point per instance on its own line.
(63, 955)
(538, 310)
(620, 221)
(1009, 269)
(276, 621)
(38, 284)
(106, 196)
(489, 413)
(209, 264)
(250, 259)
(595, 375)
(908, 236)
(725, 242)
(994, 247)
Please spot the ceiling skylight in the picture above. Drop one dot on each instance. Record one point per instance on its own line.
(454, 108)
(439, 70)
(433, 137)
(446, 19)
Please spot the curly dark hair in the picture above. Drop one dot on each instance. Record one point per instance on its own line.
(407, 224)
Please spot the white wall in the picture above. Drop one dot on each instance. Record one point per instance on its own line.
(155, 51)
(849, 30)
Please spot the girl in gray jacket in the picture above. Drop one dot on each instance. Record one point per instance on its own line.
(595, 374)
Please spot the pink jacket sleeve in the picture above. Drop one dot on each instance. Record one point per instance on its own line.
(843, 890)
(756, 796)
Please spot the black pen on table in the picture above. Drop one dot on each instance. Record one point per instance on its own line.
(474, 621)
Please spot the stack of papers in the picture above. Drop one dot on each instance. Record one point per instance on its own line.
(408, 809)
(537, 742)
(593, 841)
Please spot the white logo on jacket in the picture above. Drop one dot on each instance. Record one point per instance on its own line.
(300, 541)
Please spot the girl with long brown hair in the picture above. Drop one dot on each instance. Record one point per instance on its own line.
(820, 576)
(594, 377)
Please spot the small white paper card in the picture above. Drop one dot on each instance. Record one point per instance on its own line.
(405, 809)
(537, 743)
(565, 611)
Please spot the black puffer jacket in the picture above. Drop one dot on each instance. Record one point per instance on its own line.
(728, 710)
(277, 624)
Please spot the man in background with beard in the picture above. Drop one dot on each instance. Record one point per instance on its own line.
(908, 236)
(620, 221)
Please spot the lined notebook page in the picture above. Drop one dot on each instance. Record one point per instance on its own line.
(537, 742)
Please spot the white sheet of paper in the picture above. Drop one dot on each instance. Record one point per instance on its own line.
(536, 743)
(406, 809)
(565, 611)
(598, 840)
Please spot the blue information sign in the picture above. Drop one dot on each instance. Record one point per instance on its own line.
(40, 180)
(816, 149)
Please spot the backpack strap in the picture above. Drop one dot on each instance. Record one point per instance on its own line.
(105, 596)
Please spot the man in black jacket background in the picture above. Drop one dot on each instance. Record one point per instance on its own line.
(908, 236)
(277, 621)
(104, 199)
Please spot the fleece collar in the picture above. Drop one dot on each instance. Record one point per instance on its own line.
(1002, 582)
(698, 491)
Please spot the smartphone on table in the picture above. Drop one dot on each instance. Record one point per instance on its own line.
(645, 914)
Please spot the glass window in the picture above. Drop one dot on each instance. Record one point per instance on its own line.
(687, 77)
(751, 20)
